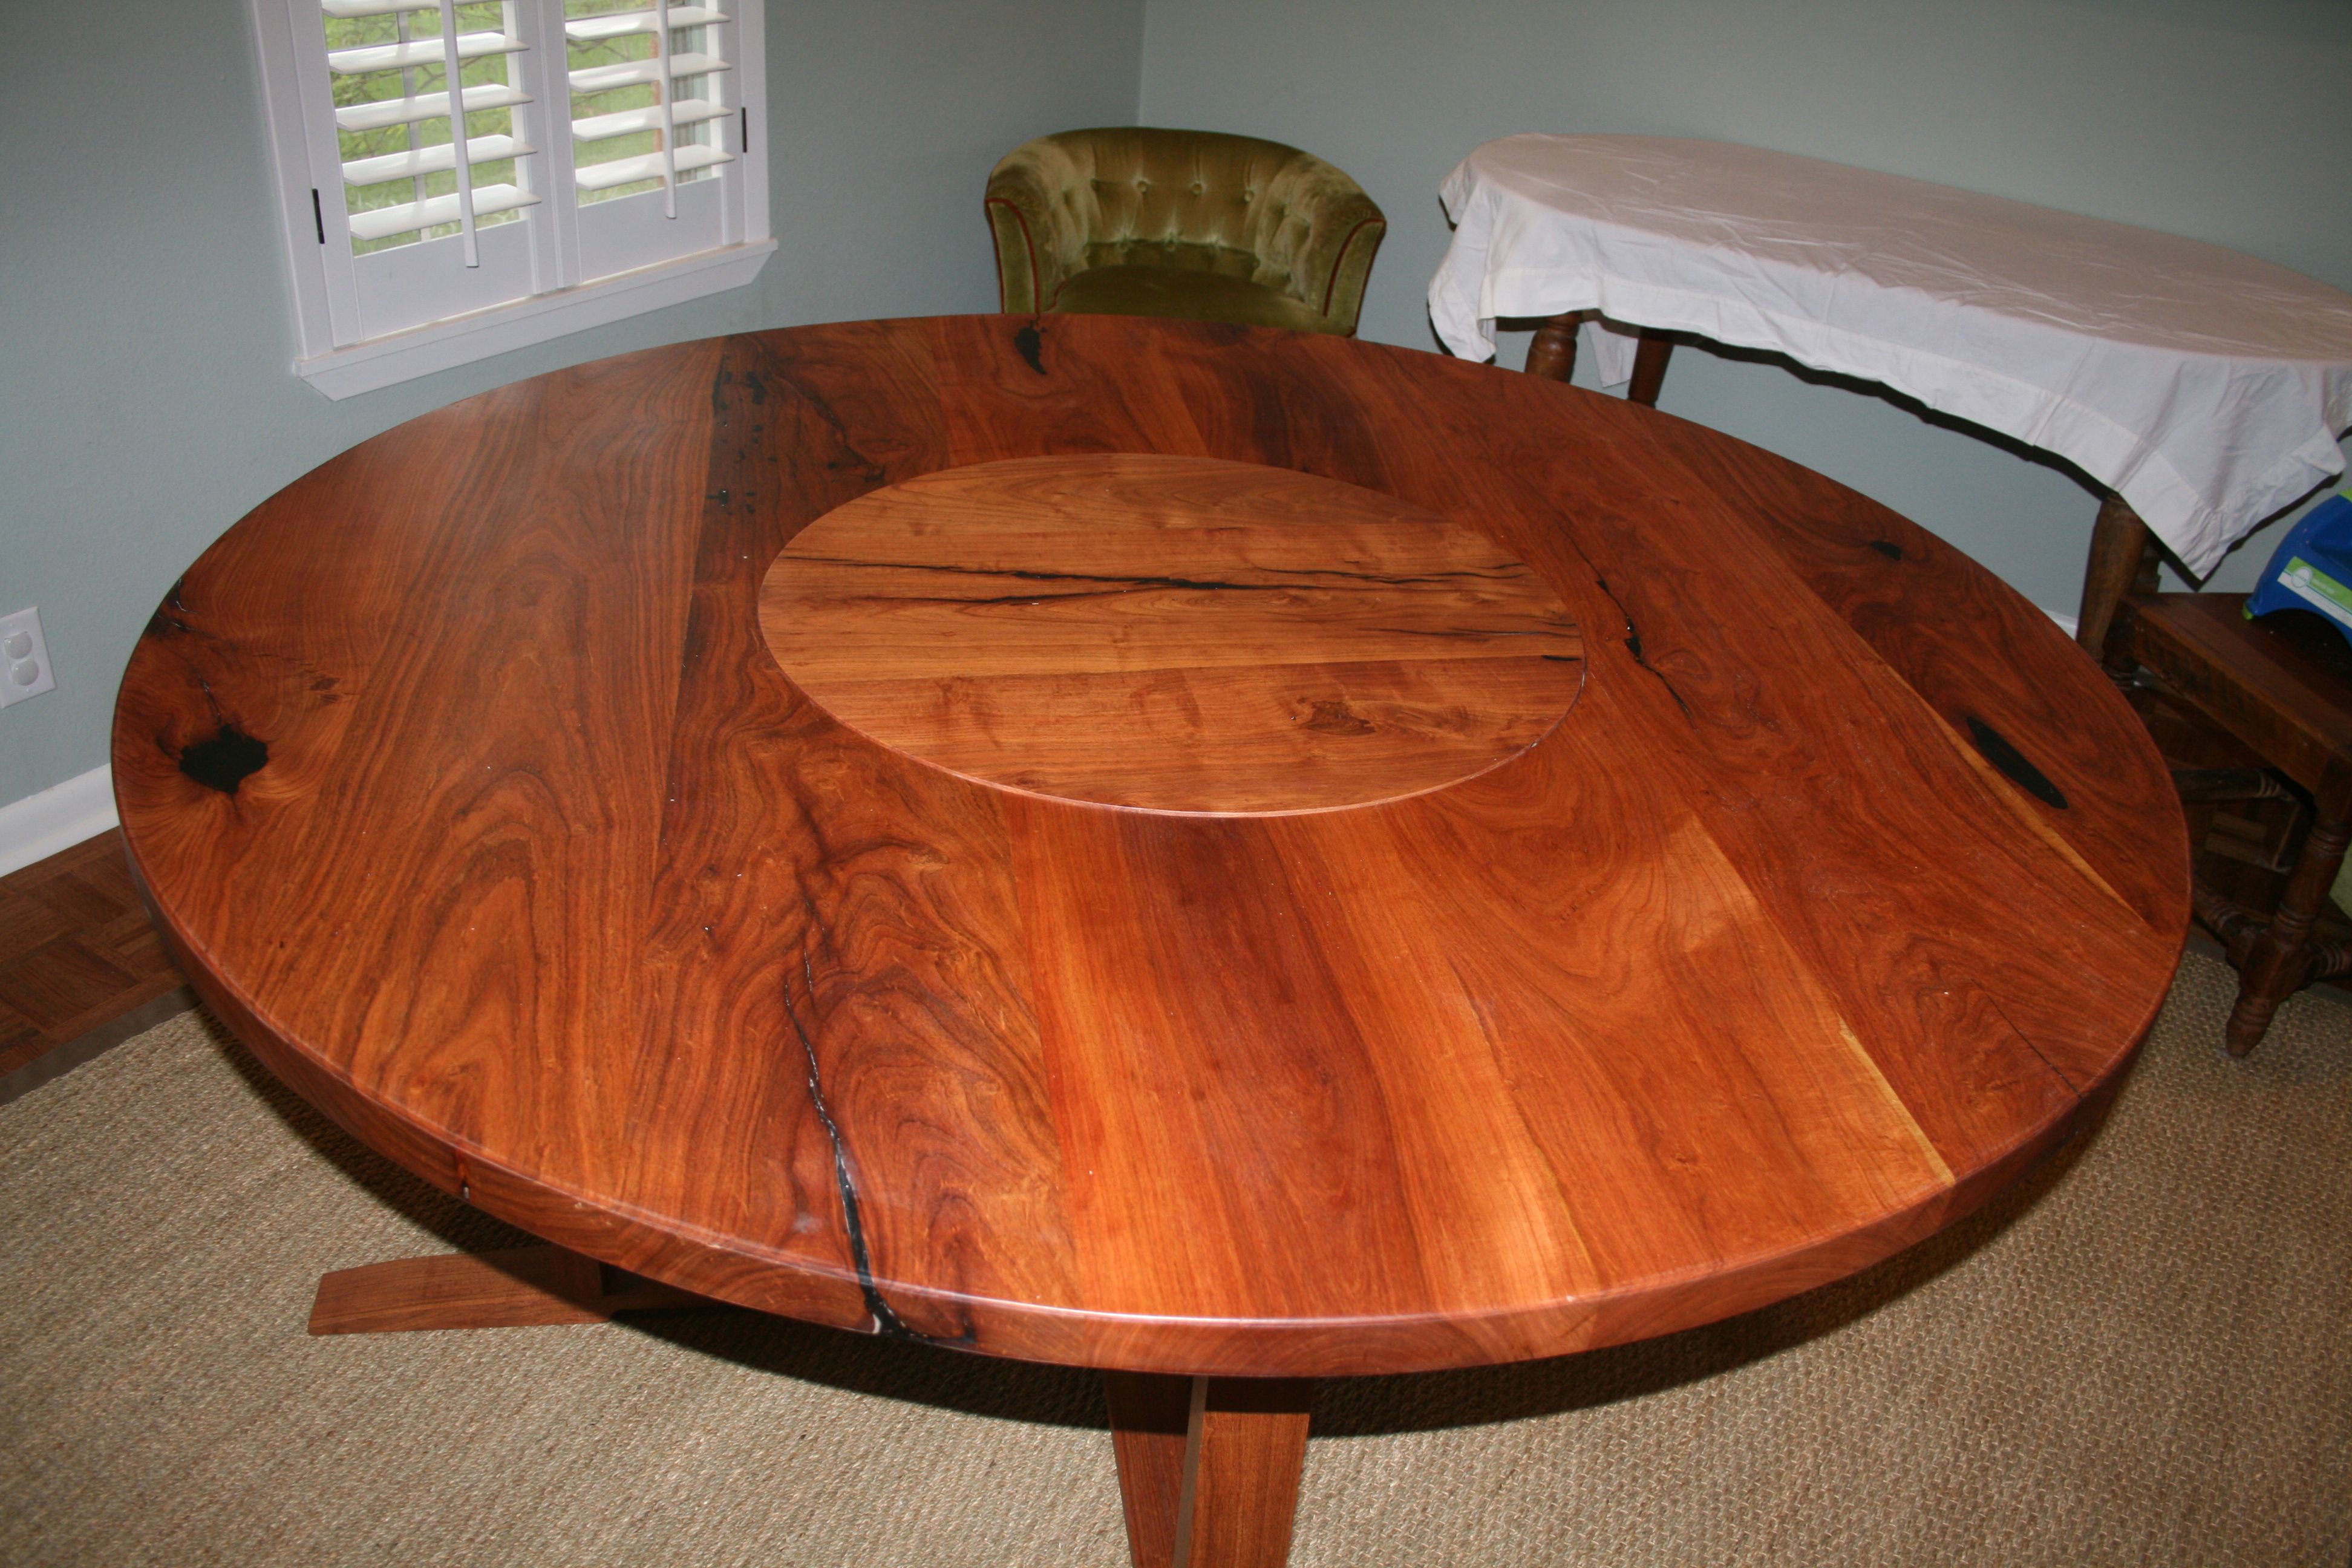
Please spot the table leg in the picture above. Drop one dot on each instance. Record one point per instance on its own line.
(2123, 561)
(1650, 356)
(1150, 1421)
(1552, 356)
(524, 1286)
(1208, 1467)
(2280, 962)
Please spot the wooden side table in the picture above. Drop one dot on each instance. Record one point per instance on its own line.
(2204, 389)
(2123, 556)
(2283, 687)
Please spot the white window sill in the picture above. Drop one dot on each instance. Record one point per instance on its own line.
(381, 362)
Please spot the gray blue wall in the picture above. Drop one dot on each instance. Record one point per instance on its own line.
(2230, 120)
(145, 329)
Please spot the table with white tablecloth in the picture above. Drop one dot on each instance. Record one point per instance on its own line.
(2205, 388)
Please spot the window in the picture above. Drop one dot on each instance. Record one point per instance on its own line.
(607, 170)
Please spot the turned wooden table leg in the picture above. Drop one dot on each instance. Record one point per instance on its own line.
(1650, 358)
(1552, 356)
(524, 1286)
(2276, 965)
(2123, 561)
(1208, 1467)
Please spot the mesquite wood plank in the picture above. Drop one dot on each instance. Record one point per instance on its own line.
(1638, 880)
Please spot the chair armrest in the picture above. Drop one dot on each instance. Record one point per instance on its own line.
(1324, 238)
(1034, 205)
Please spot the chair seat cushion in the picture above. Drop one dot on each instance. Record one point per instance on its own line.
(1191, 293)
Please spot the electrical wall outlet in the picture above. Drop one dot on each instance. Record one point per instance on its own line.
(24, 658)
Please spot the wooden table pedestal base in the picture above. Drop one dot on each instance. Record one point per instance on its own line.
(524, 1286)
(1208, 1467)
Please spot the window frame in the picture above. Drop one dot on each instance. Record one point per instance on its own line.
(344, 370)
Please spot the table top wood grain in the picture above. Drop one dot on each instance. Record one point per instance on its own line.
(1149, 845)
(1177, 633)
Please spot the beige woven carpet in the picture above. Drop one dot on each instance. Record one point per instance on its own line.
(2141, 1357)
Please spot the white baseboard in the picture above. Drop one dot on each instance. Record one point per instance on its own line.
(2069, 624)
(39, 825)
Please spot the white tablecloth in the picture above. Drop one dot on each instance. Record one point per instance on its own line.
(2204, 387)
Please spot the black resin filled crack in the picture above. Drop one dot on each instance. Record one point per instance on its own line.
(887, 1322)
(1125, 583)
(1031, 345)
(225, 760)
(165, 622)
(1633, 647)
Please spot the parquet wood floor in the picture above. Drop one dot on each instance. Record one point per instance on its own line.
(77, 956)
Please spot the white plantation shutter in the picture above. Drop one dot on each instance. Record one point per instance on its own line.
(603, 170)
(649, 124)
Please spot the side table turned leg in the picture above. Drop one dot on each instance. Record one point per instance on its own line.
(1650, 356)
(1208, 1467)
(1552, 356)
(2280, 961)
(2123, 561)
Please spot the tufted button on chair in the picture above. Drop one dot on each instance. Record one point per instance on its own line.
(1139, 221)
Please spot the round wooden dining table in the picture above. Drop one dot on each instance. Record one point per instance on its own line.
(1223, 856)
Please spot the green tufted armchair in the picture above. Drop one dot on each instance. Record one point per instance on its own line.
(1134, 220)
